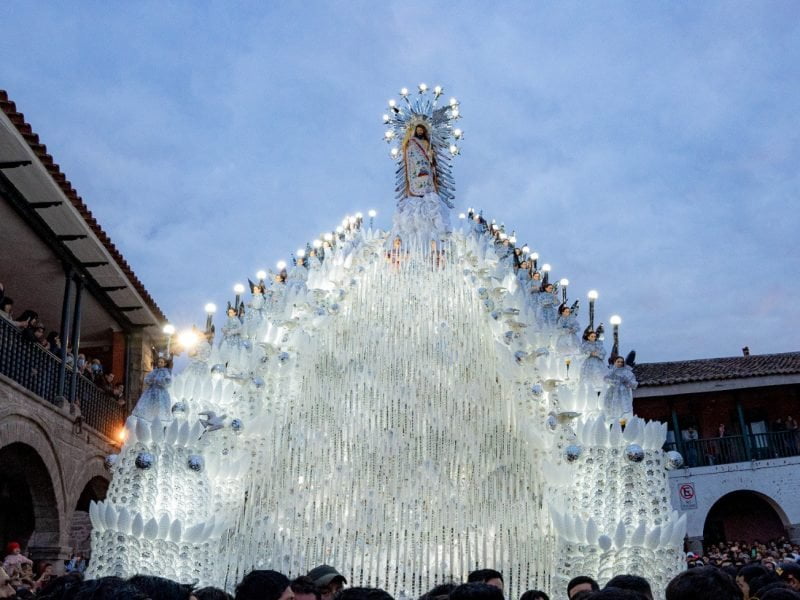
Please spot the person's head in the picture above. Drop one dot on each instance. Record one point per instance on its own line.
(581, 583)
(108, 588)
(264, 585)
(439, 592)
(534, 595)
(162, 362)
(487, 576)
(328, 580)
(109, 377)
(420, 132)
(548, 288)
(13, 548)
(591, 336)
(778, 591)
(536, 276)
(790, 573)
(564, 310)
(701, 584)
(305, 589)
(364, 593)
(29, 317)
(160, 588)
(53, 338)
(44, 569)
(38, 332)
(633, 583)
(476, 591)
(745, 577)
(619, 362)
(7, 305)
(211, 593)
(65, 587)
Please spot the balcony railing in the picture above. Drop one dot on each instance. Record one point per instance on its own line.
(36, 369)
(739, 448)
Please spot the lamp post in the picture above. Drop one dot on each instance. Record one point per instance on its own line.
(238, 290)
(169, 331)
(210, 309)
(564, 283)
(372, 212)
(546, 276)
(592, 298)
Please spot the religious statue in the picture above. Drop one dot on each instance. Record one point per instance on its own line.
(420, 162)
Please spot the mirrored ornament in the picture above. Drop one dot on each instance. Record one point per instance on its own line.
(537, 390)
(195, 462)
(237, 426)
(258, 382)
(283, 357)
(218, 371)
(634, 453)
(674, 460)
(179, 409)
(144, 460)
(551, 422)
(572, 452)
(334, 308)
(488, 304)
(110, 461)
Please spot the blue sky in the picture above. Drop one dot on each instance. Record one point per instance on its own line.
(649, 150)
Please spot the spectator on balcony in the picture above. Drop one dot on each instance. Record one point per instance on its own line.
(54, 342)
(6, 308)
(118, 393)
(28, 319)
(96, 371)
(778, 425)
(106, 383)
(35, 335)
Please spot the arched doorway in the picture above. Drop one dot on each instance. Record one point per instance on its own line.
(80, 527)
(28, 507)
(744, 515)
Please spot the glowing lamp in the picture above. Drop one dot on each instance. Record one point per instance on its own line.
(453, 102)
(392, 103)
(317, 243)
(438, 90)
(262, 274)
(462, 216)
(385, 118)
(211, 308)
(615, 320)
(340, 229)
(301, 253)
(535, 255)
(526, 250)
(423, 88)
(546, 267)
(328, 237)
(394, 152)
(564, 282)
(168, 329)
(404, 92)
(592, 294)
(458, 133)
(188, 339)
(453, 149)
(238, 288)
(281, 265)
(372, 213)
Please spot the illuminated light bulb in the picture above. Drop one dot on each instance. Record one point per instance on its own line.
(262, 274)
(345, 221)
(122, 434)
(404, 92)
(211, 308)
(394, 152)
(238, 288)
(462, 216)
(454, 113)
(526, 250)
(564, 282)
(301, 253)
(359, 215)
(372, 213)
(546, 267)
(470, 210)
(503, 236)
(188, 339)
(453, 102)
(281, 265)
(495, 227)
(438, 90)
(453, 149)
(340, 229)
(169, 329)
(328, 237)
(615, 320)
(385, 118)
(592, 294)
(392, 103)
(317, 243)
(512, 239)
(535, 255)
(423, 88)
(351, 220)
(389, 134)
(458, 133)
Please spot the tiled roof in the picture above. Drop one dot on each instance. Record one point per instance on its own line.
(709, 369)
(40, 150)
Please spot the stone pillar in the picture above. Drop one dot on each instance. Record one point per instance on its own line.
(695, 544)
(793, 533)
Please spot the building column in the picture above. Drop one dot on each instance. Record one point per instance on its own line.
(748, 450)
(76, 338)
(793, 533)
(64, 334)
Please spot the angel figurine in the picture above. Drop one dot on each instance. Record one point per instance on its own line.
(567, 330)
(155, 402)
(593, 369)
(618, 401)
(548, 301)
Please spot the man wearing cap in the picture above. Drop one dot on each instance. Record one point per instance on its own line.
(328, 580)
(790, 573)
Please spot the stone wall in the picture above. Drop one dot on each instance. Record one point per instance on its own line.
(71, 459)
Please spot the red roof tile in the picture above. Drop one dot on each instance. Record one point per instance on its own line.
(709, 369)
(18, 119)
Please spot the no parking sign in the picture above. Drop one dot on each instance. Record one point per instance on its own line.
(687, 496)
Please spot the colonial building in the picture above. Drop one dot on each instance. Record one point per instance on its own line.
(733, 420)
(56, 425)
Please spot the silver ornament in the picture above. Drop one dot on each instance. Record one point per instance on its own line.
(258, 382)
(283, 357)
(247, 344)
(179, 409)
(218, 371)
(634, 453)
(144, 460)
(488, 304)
(495, 314)
(110, 461)
(196, 462)
(551, 422)
(483, 293)
(237, 426)
(537, 390)
(674, 460)
(520, 356)
(334, 308)
(572, 452)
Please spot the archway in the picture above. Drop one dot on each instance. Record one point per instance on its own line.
(80, 526)
(744, 515)
(28, 506)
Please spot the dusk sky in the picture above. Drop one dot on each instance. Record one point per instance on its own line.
(650, 150)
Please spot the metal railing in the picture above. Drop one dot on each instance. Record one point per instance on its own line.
(738, 448)
(36, 369)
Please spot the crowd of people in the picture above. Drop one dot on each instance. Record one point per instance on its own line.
(33, 331)
(733, 571)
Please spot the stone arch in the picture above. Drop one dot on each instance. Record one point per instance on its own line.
(29, 511)
(744, 515)
(80, 525)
